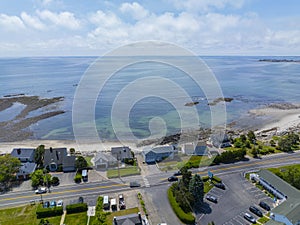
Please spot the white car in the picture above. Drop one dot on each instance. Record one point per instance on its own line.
(41, 190)
(60, 203)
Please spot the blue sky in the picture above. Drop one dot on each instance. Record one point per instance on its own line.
(93, 27)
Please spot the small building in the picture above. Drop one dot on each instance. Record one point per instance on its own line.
(25, 170)
(220, 140)
(288, 211)
(199, 149)
(130, 219)
(56, 157)
(121, 153)
(104, 160)
(24, 154)
(158, 153)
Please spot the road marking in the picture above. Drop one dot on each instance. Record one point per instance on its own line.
(147, 184)
(62, 192)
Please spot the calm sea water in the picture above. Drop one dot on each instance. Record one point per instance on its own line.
(249, 82)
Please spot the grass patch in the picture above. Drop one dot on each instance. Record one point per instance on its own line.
(207, 186)
(89, 160)
(77, 218)
(263, 220)
(109, 218)
(24, 214)
(127, 171)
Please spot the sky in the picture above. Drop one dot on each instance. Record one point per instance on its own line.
(94, 27)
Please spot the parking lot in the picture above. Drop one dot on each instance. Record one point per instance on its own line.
(233, 202)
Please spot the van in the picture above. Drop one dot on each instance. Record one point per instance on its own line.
(105, 202)
(113, 203)
(84, 175)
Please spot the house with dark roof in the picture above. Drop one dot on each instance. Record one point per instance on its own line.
(121, 153)
(199, 149)
(288, 211)
(56, 157)
(23, 154)
(158, 153)
(104, 160)
(131, 219)
(25, 170)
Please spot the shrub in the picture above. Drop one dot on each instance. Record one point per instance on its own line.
(55, 181)
(76, 208)
(78, 178)
(186, 218)
(48, 212)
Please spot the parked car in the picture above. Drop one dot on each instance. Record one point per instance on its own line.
(80, 199)
(178, 173)
(212, 198)
(46, 204)
(60, 203)
(220, 185)
(172, 178)
(113, 204)
(256, 211)
(41, 190)
(52, 204)
(250, 218)
(121, 202)
(264, 206)
(134, 184)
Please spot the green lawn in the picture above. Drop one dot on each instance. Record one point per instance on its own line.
(127, 171)
(76, 218)
(281, 169)
(109, 218)
(207, 186)
(23, 215)
(88, 159)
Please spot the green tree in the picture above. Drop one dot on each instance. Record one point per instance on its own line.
(37, 178)
(186, 176)
(55, 181)
(251, 136)
(285, 145)
(39, 155)
(80, 163)
(47, 179)
(9, 166)
(72, 151)
(196, 188)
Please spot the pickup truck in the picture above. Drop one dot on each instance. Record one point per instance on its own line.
(41, 190)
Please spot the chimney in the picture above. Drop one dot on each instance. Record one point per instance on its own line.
(19, 151)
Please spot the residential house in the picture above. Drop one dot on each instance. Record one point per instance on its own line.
(220, 140)
(158, 153)
(104, 160)
(121, 153)
(131, 219)
(25, 170)
(28, 166)
(288, 211)
(23, 154)
(56, 157)
(199, 149)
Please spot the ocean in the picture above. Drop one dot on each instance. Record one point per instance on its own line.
(249, 82)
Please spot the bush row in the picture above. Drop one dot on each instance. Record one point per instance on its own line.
(76, 208)
(217, 179)
(48, 212)
(186, 218)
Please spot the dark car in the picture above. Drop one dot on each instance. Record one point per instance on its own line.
(134, 184)
(250, 218)
(80, 199)
(178, 173)
(173, 178)
(52, 204)
(46, 204)
(211, 198)
(220, 185)
(122, 202)
(256, 211)
(264, 206)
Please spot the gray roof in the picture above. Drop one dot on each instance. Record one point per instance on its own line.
(27, 168)
(289, 208)
(131, 219)
(162, 149)
(105, 156)
(54, 155)
(22, 152)
(118, 149)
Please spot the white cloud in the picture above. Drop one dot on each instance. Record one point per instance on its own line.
(13, 23)
(134, 9)
(105, 19)
(64, 19)
(32, 21)
(205, 5)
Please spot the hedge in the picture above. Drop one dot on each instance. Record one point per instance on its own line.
(217, 179)
(186, 218)
(48, 212)
(76, 208)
